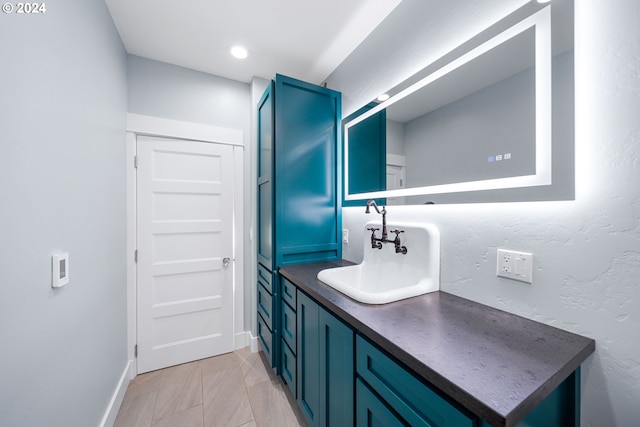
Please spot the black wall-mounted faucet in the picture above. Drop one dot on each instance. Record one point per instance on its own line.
(376, 243)
(383, 212)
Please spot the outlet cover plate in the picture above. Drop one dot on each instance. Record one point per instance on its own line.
(515, 265)
(59, 269)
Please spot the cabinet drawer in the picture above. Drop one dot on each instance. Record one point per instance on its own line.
(289, 369)
(265, 277)
(289, 293)
(289, 326)
(265, 337)
(371, 411)
(408, 396)
(265, 306)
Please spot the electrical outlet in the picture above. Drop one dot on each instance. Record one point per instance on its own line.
(345, 235)
(515, 265)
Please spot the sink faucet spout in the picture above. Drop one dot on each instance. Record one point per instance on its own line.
(383, 212)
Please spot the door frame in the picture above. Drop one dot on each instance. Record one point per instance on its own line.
(155, 126)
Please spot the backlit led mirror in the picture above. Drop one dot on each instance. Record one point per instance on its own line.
(482, 118)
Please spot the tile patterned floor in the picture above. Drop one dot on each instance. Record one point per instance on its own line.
(231, 390)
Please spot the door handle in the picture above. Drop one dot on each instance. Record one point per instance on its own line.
(226, 261)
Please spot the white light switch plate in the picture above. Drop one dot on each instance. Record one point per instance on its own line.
(515, 265)
(59, 269)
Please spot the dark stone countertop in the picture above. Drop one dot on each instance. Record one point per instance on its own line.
(497, 365)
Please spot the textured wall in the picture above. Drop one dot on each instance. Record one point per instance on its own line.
(587, 251)
(63, 102)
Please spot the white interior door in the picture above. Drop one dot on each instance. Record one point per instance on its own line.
(395, 181)
(185, 236)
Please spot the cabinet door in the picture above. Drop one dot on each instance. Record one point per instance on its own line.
(265, 178)
(288, 327)
(289, 293)
(265, 305)
(307, 208)
(336, 370)
(308, 359)
(325, 366)
(371, 411)
(265, 338)
(410, 398)
(289, 369)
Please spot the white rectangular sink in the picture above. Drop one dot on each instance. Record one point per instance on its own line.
(385, 276)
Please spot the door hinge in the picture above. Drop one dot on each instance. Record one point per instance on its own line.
(135, 351)
(135, 256)
(135, 162)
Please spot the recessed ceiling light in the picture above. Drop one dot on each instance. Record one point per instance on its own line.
(239, 52)
(383, 97)
(544, 1)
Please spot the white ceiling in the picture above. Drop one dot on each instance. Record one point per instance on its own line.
(302, 39)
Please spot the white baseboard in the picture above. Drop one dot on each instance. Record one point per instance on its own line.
(116, 400)
(253, 343)
(241, 340)
(244, 339)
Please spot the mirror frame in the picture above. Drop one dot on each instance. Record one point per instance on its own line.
(540, 21)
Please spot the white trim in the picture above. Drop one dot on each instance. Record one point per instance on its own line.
(238, 240)
(109, 417)
(253, 343)
(241, 340)
(156, 126)
(132, 232)
(395, 160)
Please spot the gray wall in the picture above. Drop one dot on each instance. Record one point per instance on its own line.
(62, 180)
(586, 251)
(395, 138)
(171, 92)
(168, 91)
(452, 143)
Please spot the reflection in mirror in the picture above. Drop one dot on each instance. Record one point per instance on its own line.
(367, 153)
(480, 121)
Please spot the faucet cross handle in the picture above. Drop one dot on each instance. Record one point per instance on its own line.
(399, 248)
(375, 242)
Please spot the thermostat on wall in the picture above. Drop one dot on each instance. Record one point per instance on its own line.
(60, 270)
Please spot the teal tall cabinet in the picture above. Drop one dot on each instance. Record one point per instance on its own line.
(299, 193)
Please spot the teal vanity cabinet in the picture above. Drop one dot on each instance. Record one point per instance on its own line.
(388, 395)
(434, 360)
(413, 402)
(298, 193)
(317, 360)
(325, 371)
